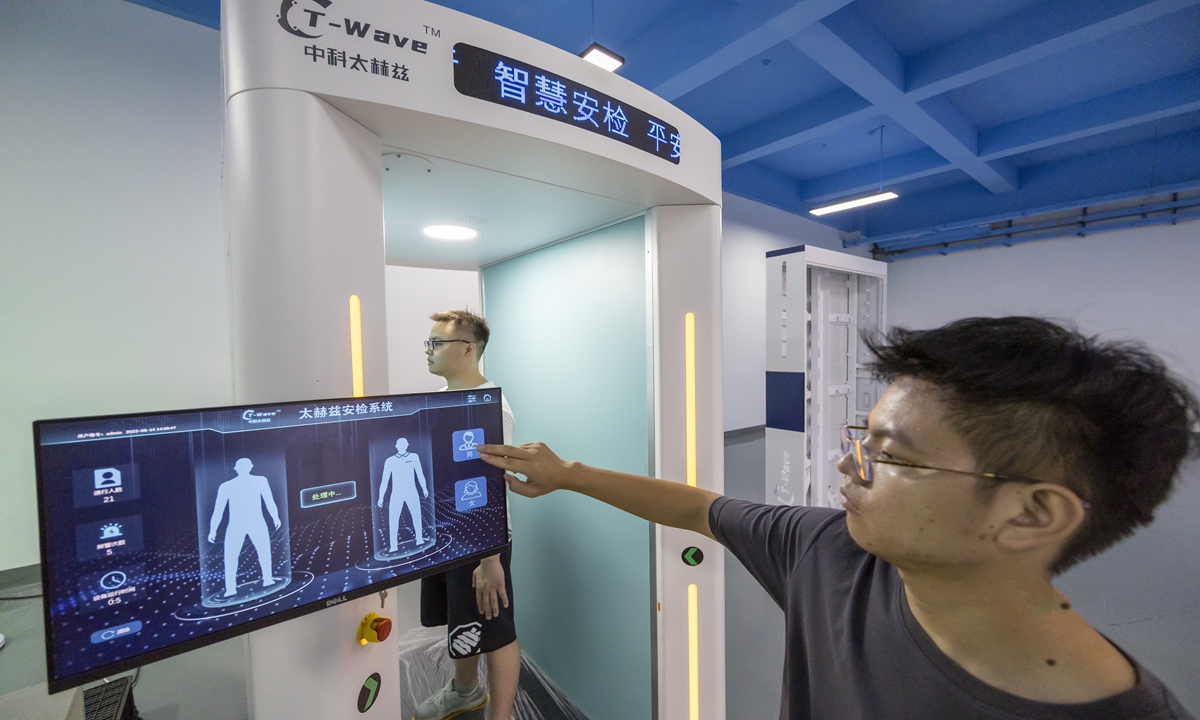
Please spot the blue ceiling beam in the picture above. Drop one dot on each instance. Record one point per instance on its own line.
(1145, 103)
(685, 49)
(827, 114)
(1164, 165)
(1182, 216)
(850, 49)
(865, 178)
(975, 222)
(1152, 101)
(771, 187)
(1036, 33)
(768, 186)
(1021, 39)
(1084, 216)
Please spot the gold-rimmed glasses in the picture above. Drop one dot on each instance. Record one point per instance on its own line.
(864, 464)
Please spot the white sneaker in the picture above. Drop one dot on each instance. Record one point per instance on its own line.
(447, 702)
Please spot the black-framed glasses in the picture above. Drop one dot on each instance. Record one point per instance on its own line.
(433, 344)
(864, 464)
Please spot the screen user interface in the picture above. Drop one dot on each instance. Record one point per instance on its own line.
(164, 532)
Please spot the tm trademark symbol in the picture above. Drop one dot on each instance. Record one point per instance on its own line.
(432, 31)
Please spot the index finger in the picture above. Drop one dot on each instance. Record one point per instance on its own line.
(511, 451)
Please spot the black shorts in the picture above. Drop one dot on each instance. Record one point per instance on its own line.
(449, 599)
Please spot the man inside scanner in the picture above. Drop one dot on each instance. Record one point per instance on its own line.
(1004, 451)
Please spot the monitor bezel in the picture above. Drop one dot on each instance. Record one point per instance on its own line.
(119, 666)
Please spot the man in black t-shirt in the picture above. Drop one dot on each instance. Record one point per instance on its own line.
(1003, 452)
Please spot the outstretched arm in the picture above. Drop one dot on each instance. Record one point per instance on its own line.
(659, 501)
(218, 513)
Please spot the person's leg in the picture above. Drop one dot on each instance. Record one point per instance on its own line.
(261, 538)
(394, 508)
(466, 672)
(234, 539)
(504, 672)
(414, 511)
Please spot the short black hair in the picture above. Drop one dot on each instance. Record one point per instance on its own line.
(1029, 395)
(474, 325)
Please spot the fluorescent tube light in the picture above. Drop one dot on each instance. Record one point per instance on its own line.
(449, 232)
(599, 55)
(889, 195)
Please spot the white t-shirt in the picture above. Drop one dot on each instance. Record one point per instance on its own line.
(506, 412)
(509, 423)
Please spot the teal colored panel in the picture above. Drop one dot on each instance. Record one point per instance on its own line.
(568, 346)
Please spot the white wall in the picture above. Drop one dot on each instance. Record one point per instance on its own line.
(749, 230)
(413, 294)
(1139, 284)
(113, 292)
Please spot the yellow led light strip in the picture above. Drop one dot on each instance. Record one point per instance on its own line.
(356, 362)
(693, 652)
(689, 380)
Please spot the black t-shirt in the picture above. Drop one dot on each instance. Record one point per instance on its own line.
(854, 650)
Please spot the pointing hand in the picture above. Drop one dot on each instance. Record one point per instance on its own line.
(545, 471)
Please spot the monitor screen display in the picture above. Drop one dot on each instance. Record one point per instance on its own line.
(164, 532)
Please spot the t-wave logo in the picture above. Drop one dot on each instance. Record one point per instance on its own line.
(783, 491)
(336, 601)
(313, 16)
(308, 19)
(259, 416)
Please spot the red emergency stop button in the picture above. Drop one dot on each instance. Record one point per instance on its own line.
(382, 628)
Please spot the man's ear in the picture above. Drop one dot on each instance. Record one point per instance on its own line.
(1040, 515)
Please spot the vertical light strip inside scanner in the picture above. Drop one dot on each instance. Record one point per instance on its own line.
(689, 379)
(693, 652)
(356, 348)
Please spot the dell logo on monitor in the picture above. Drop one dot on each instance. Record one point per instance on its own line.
(336, 601)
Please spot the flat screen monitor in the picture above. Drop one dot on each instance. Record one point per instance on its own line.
(163, 532)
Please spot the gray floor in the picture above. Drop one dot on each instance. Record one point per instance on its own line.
(753, 622)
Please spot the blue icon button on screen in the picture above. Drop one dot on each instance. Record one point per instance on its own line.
(470, 494)
(465, 442)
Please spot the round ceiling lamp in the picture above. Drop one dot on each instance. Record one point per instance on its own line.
(450, 232)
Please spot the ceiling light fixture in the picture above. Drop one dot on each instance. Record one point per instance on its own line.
(854, 203)
(868, 200)
(450, 232)
(599, 55)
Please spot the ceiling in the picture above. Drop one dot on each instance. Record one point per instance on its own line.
(512, 214)
(990, 110)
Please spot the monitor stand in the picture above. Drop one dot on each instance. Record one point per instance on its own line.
(314, 666)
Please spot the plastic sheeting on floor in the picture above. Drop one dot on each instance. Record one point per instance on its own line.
(425, 667)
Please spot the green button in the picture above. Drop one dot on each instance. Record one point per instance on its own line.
(368, 692)
(693, 556)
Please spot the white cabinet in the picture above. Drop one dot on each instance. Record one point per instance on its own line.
(819, 304)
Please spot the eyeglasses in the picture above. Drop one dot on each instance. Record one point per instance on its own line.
(433, 344)
(864, 464)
